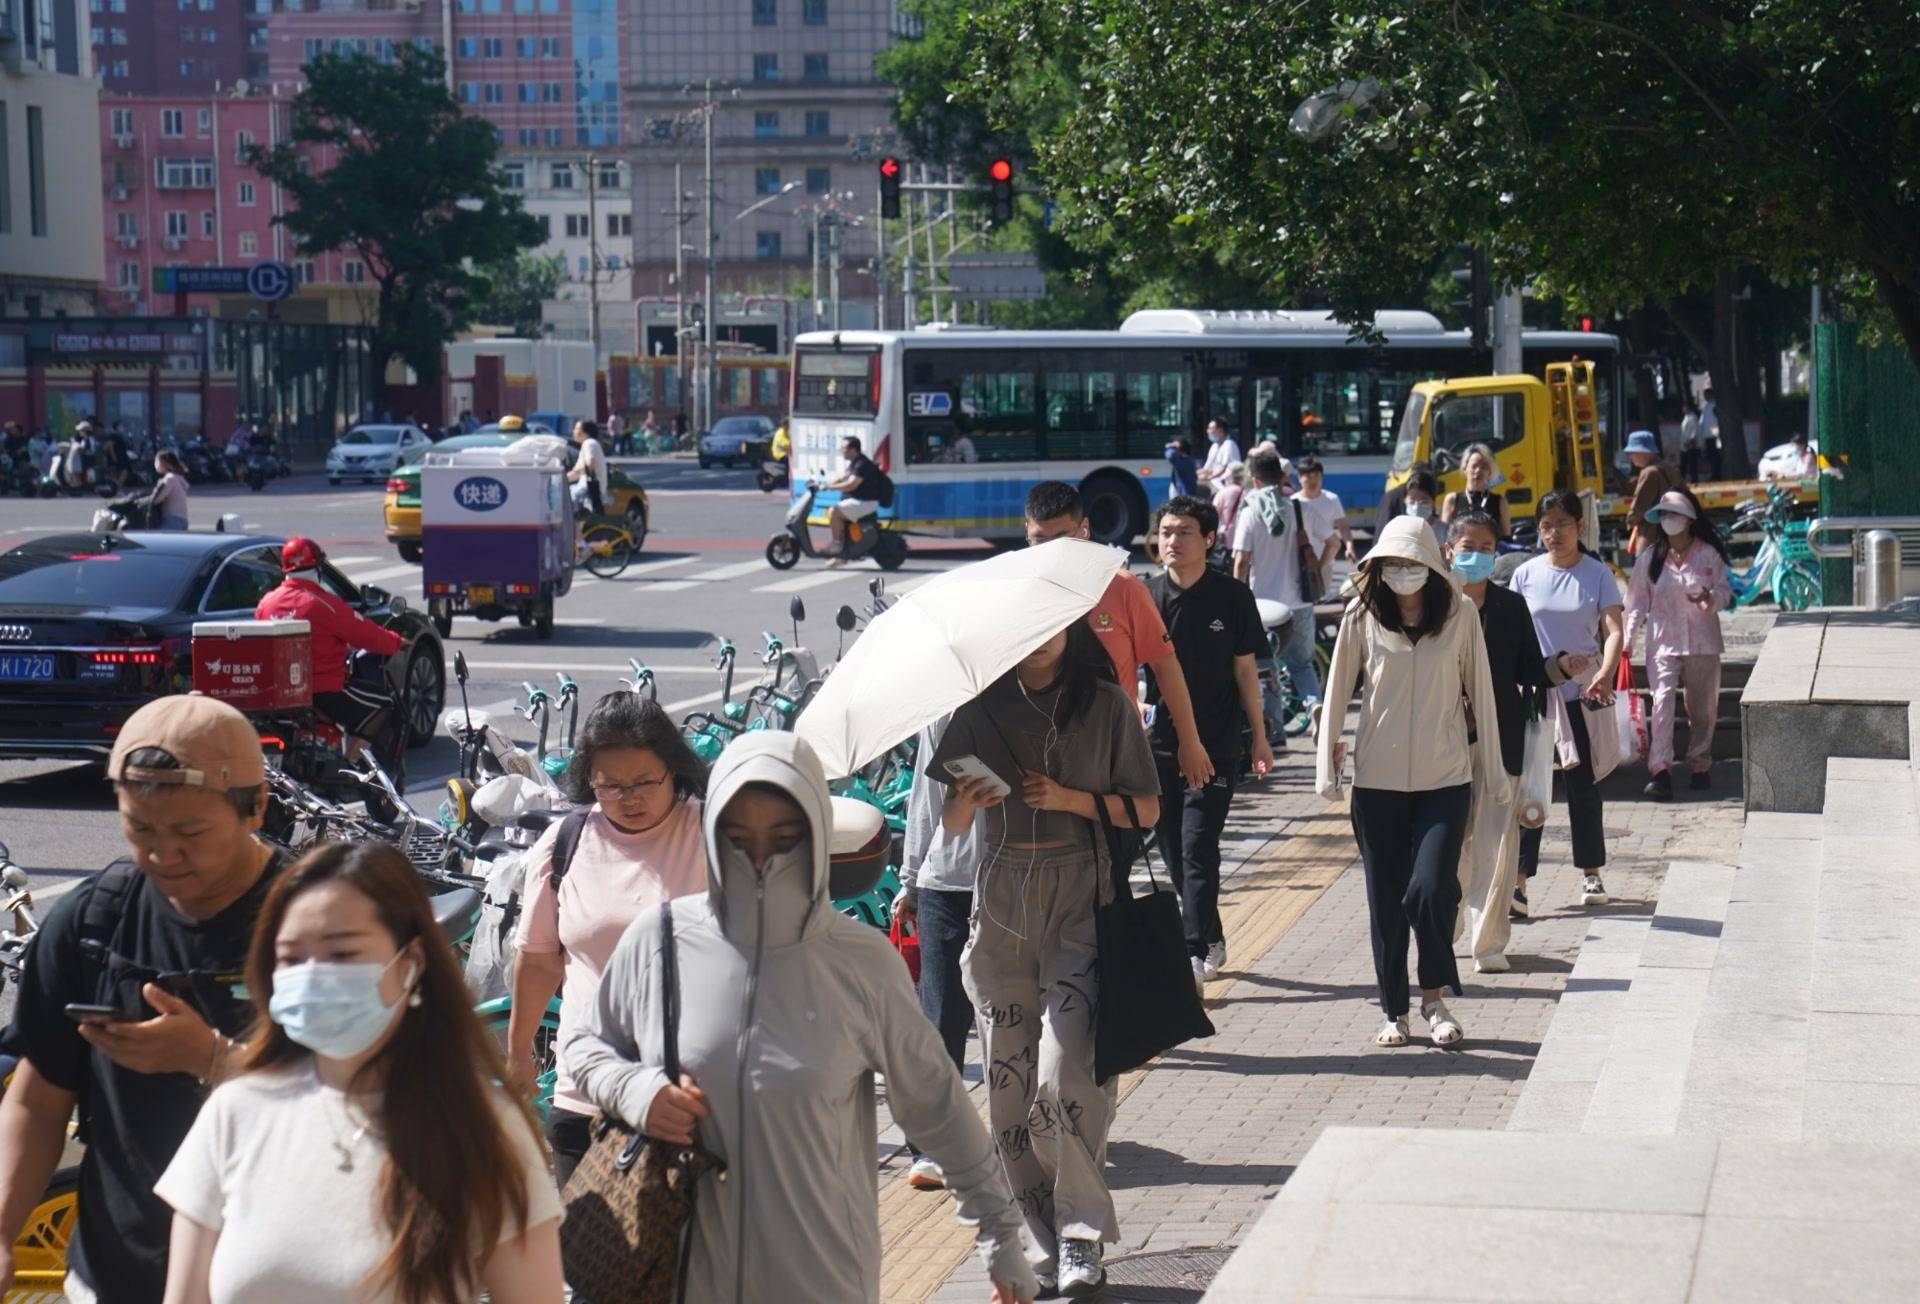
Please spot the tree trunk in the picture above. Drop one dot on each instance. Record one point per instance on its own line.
(1723, 367)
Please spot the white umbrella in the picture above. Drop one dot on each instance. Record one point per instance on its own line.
(943, 644)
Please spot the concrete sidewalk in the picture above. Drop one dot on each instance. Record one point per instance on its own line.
(1205, 1136)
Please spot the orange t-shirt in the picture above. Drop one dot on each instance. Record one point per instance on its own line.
(1130, 629)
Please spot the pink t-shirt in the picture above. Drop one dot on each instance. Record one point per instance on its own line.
(614, 877)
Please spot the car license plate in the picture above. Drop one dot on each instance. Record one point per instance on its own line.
(26, 667)
(480, 595)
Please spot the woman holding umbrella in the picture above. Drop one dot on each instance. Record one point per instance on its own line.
(1059, 736)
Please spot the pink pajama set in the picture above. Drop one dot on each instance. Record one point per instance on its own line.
(1683, 648)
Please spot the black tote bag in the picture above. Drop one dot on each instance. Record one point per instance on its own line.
(1148, 1003)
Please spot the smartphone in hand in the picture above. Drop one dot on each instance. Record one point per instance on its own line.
(80, 1012)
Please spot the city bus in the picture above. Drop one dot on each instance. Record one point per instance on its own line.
(965, 419)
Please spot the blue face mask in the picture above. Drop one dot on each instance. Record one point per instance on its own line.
(333, 1009)
(1473, 567)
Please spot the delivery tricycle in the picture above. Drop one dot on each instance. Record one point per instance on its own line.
(496, 533)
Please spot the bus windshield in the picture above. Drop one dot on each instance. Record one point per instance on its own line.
(836, 382)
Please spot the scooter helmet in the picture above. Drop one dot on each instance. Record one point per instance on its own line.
(300, 554)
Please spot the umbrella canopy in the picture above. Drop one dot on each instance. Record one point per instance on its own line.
(943, 644)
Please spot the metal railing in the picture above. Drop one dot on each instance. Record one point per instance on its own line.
(1850, 526)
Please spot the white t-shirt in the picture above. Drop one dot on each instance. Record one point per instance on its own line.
(1222, 455)
(594, 458)
(261, 1166)
(1328, 508)
(1275, 570)
(1566, 606)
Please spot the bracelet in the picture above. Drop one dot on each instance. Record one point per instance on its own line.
(221, 1043)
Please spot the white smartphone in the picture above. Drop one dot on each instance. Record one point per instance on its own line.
(972, 767)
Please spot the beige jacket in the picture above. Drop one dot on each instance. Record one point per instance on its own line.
(1412, 730)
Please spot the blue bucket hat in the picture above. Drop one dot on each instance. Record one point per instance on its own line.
(1642, 441)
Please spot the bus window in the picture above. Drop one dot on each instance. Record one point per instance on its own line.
(1496, 420)
(1333, 413)
(834, 383)
(1269, 417)
(1158, 410)
(998, 412)
(1223, 402)
(1083, 418)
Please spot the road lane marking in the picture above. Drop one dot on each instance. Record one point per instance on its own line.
(344, 562)
(385, 573)
(800, 582)
(672, 586)
(661, 563)
(687, 704)
(758, 566)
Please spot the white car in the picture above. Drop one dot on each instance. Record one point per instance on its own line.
(372, 452)
(1781, 462)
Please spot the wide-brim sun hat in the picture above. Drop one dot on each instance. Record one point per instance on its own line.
(1642, 441)
(1674, 502)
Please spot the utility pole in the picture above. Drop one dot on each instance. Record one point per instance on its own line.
(593, 274)
(879, 262)
(933, 257)
(833, 234)
(446, 44)
(953, 243)
(713, 303)
(679, 271)
(815, 244)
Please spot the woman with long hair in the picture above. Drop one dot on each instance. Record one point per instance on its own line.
(786, 1010)
(365, 1152)
(1575, 602)
(592, 874)
(1415, 648)
(1478, 466)
(169, 494)
(1060, 734)
(1678, 588)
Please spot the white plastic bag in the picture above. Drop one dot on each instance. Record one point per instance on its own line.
(1535, 792)
(502, 801)
(490, 963)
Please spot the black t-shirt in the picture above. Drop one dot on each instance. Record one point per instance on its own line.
(132, 1122)
(1210, 624)
(867, 480)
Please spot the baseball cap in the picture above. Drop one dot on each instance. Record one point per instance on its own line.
(300, 554)
(1673, 502)
(215, 745)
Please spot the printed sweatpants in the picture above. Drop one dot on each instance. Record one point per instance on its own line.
(1697, 679)
(1029, 967)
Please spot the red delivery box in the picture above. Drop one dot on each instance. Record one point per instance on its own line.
(257, 665)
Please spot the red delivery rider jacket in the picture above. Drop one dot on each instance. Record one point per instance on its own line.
(336, 629)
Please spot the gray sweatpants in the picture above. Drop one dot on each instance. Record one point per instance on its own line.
(1029, 967)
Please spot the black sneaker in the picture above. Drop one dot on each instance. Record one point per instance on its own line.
(1518, 908)
(1660, 787)
(1701, 781)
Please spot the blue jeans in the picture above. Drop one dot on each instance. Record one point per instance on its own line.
(942, 922)
(1296, 650)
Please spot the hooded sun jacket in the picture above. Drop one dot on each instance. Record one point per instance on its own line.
(1412, 731)
(787, 1010)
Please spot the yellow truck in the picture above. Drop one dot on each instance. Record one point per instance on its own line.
(1545, 434)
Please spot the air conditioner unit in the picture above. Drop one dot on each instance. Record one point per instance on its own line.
(129, 242)
(175, 242)
(124, 142)
(121, 193)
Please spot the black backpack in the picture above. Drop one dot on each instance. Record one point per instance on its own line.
(882, 487)
(565, 843)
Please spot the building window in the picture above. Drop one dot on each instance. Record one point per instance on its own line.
(123, 122)
(353, 272)
(609, 176)
(186, 67)
(183, 173)
(466, 47)
(766, 123)
(491, 47)
(177, 224)
(546, 225)
(766, 12)
(550, 92)
(577, 228)
(526, 46)
(493, 93)
(550, 136)
(766, 244)
(529, 135)
(563, 176)
(469, 92)
(819, 180)
(619, 224)
(549, 47)
(173, 122)
(122, 68)
(130, 276)
(813, 12)
(513, 176)
(203, 124)
(303, 272)
(529, 93)
(815, 68)
(819, 122)
(246, 194)
(206, 223)
(126, 224)
(36, 172)
(766, 67)
(249, 244)
(242, 142)
(117, 35)
(311, 48)
(766, 181)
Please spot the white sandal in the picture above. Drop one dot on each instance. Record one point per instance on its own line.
(1445, 1029)
(1392, 1033)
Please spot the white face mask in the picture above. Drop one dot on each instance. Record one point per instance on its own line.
(1404, 580)
(1420, 511)
(1674, 523)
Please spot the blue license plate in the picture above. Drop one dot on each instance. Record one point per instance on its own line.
(26, 667)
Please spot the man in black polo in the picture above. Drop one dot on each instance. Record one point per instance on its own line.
(859, 489)
(1217, 636)
(162, 938)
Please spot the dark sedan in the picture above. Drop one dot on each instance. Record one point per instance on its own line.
(92, 626)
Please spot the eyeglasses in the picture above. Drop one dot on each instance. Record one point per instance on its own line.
(1550, 527)
(622, 791)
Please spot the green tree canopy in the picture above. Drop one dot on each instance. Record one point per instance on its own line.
(411, 191)
(515, 289)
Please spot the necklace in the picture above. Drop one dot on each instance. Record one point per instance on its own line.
(345, 1148)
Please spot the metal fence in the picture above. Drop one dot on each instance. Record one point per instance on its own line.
(1868, 404)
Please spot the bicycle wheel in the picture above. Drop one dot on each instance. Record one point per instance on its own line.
(1796, 588)
(496, 1014)
(609, 549)
(40, 1253)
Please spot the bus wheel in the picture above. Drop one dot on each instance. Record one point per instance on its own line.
(1116, 507)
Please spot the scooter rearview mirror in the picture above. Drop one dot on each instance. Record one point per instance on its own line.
(845, 619)
(460, 666)
(798, 610)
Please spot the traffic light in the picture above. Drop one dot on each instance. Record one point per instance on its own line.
(1000, 173)
(889, 187)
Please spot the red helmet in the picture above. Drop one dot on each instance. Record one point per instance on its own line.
(300, 554)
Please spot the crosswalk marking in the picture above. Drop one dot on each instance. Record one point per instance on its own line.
(755, 567)
(385, 573)
(799, 582)
(672, 586)
(653, 564)
(344, 562)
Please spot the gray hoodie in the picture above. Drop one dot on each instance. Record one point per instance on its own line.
(788, 1009)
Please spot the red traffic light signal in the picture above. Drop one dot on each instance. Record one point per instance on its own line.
(889, 187)
(1000, 173)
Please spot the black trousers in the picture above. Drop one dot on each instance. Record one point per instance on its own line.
(1191, 821)
(567, 1136)
(941, 925)
(1583, 806)
(1410, 846)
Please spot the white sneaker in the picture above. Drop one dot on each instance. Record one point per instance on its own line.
(1593, 892)
(836, 563)
(1215, 961)
(1495, 963)
(1441, 1025)
(1080, 1270)
(1199, 975)
(925, 1175)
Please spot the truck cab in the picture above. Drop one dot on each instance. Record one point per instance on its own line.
(1544, 434)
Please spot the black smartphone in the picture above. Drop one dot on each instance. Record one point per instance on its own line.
(80, 1012)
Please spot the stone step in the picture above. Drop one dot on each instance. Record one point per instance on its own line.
(1643, 1078)
(1560, 1086)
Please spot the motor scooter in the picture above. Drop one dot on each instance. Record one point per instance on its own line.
(864, 539)
(773, 475)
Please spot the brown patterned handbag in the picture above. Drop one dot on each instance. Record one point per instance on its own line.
(629, 1223)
